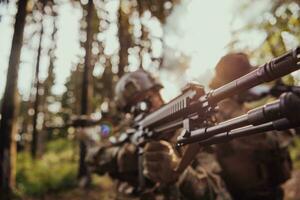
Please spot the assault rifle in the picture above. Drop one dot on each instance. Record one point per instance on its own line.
(279, 115)
(193, 110)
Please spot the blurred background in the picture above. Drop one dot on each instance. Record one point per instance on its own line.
(61, 58)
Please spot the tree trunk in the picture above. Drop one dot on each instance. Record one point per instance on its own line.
(34, 144)
(9, 106)
(48, 83)
(124, 40)
(142, 6)
(86, 92)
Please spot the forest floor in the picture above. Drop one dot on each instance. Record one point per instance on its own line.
(101, 190)
(104, 191)
(54, 177)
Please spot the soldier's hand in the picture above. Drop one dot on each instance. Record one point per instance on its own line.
(127, 158)
(159, 162)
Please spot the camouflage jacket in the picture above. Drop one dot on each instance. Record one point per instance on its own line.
(253, 167)
(199, 181)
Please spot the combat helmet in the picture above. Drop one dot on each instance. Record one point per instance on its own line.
(229, 68)
(132, 86)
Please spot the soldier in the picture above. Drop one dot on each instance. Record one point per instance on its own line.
(138, 91)
(252, 167)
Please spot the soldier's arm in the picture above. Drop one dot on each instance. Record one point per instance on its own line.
(198, 182)
(102, 160)
(118, 161)
(195, 185)
(202, 181)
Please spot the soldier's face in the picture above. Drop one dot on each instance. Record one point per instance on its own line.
(152, 98)
(155, 100)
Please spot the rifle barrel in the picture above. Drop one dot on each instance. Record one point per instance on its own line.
(280, 124)
(276, 68)
(288, 106)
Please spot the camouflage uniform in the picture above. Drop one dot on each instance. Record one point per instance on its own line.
(253, 167)
(199, 181)
(120, 160)
(202, 180)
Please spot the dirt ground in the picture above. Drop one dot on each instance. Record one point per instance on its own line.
(103, 190)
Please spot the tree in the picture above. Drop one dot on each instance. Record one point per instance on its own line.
(278, 22)
(9, 106)
(48, 83)
(37, 85)
(86, 92)
(125, 38)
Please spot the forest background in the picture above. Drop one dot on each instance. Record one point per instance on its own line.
(60, 59)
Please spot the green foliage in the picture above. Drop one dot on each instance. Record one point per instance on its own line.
(278, 21)
(288, 80)
(55, 171)
(60, 146)
(295, 153)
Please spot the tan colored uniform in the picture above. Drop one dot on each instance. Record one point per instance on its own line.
(253, 167)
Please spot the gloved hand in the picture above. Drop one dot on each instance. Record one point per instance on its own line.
(127, 158)
(159, 162)
(101, 159)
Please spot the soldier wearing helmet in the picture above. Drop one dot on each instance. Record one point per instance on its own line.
(200, 181)
(229, 68)
(136, 87)
(252, 167)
